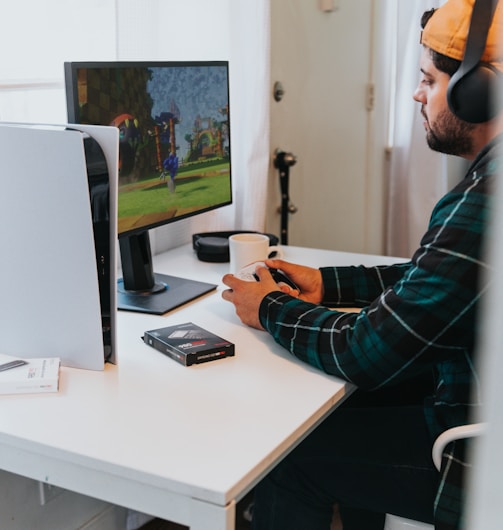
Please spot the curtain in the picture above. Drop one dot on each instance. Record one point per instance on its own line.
(417, 176)
(250, 64)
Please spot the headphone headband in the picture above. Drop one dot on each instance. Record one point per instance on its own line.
(469, 90)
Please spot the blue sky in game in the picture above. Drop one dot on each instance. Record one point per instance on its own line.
(195, 91)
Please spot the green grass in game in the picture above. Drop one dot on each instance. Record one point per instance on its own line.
(151, 201)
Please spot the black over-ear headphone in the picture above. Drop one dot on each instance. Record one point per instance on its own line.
(214, 246)
(470, 88)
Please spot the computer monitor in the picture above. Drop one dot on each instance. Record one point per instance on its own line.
(174, 158)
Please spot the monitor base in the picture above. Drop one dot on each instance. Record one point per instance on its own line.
(176, 292)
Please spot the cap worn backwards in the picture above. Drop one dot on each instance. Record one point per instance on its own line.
(446, 32)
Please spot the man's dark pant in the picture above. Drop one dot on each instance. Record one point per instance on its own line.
(371, 460)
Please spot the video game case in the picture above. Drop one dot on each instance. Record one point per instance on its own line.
(188, 343)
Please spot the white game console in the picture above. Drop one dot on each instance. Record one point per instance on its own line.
(58, 230)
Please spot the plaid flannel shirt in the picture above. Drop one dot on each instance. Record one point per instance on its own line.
(417, 316)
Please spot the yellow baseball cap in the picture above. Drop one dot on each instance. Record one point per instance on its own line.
(446, 32)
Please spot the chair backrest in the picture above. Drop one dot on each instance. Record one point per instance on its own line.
(394, 522)
(456, 433)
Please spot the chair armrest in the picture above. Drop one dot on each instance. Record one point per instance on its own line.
(455, 433)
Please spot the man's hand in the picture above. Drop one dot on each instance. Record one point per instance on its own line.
(247, 296)
(307, 279)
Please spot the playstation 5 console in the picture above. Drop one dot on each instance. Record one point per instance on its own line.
(58, 231)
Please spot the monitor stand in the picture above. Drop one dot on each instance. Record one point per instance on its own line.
(144, 291)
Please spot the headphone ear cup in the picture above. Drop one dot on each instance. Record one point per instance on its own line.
(470, 95)
(214, 246)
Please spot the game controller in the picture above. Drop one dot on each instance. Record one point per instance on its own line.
(248, 274)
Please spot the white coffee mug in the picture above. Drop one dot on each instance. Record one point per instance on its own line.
(248, 248)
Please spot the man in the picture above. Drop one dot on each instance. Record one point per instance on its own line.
(411, 350)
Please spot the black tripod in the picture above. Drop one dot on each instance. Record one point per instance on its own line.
(283, 162)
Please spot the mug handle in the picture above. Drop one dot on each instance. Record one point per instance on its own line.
(275, 251)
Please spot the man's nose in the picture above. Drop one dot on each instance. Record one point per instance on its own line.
(418, 95)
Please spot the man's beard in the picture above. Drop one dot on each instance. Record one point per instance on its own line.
(449, 135)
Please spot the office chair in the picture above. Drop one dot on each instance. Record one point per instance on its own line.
(394, 522)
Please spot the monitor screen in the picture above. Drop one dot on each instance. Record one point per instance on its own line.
(174, 157)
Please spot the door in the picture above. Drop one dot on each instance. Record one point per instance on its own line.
(323, 60)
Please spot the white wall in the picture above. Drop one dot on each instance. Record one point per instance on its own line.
(36, 38)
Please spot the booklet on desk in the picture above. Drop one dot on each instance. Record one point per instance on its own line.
(32, 376)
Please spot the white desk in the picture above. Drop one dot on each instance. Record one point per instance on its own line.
(183, 444)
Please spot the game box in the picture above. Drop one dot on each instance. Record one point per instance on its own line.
(188, 343)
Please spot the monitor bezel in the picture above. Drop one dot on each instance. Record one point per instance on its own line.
(73, 110)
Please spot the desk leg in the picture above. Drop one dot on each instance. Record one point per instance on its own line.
(206, 516)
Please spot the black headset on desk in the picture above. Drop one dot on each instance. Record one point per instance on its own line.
(214, 246)
(470, 88)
